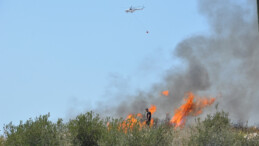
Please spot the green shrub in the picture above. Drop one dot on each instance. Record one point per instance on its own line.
(145, 136)
(160, 135)
(215, 130)
(112, 135)
(32, 133)
(89, 129)
(86, 129)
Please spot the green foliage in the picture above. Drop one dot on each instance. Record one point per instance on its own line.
(86, 130)
(2, 140)
(89, 129)
(32, 133)
(161, 135)
(112, 135)
(216, 130)
(145, 136)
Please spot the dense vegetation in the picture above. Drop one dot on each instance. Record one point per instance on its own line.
(89, 129)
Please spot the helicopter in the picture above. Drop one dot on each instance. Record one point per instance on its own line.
(132, 9)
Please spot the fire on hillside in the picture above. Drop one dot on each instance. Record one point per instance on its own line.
(133, 120)
(193, 106)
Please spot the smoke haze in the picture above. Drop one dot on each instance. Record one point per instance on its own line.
(223, 61)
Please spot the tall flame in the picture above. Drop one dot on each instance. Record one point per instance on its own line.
(190, 108)
(152, 109)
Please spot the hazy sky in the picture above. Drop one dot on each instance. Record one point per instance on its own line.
(60, 55)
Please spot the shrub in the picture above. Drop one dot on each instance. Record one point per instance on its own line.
(87, 129)
(32, 133)
(215, 130)
(2, 140)
(145, 136)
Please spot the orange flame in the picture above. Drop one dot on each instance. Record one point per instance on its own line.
(108, 126)
(190, 107)
(165, 93)
(152, 109)
(140, 115)
(151, 122)
(128, 123)
(133, 120)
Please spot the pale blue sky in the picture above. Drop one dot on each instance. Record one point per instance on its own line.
(56, 53)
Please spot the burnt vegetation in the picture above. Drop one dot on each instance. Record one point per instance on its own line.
(89, 129)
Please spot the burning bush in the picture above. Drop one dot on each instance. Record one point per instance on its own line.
(192, 107)
(161, 135)
(133, 121)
